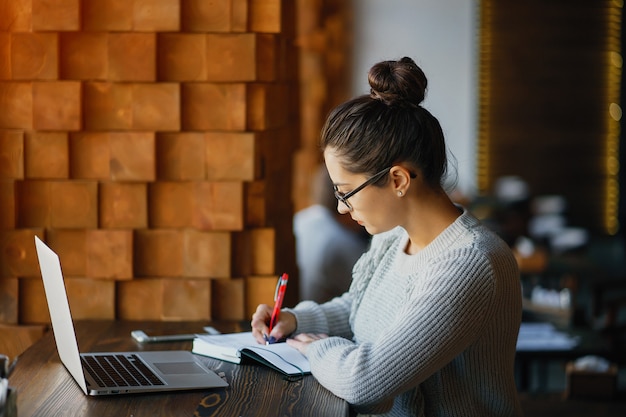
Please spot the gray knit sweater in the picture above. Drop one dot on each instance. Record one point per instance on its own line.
(430, 334)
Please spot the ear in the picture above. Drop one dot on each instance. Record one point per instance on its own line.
(401, 180)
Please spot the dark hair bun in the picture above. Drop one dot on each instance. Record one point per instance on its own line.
(398, 83)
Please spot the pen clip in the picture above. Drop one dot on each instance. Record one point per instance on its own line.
(282, 280)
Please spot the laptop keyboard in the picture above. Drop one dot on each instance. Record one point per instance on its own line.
(119, 371)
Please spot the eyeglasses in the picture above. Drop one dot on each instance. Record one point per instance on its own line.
(344, 197)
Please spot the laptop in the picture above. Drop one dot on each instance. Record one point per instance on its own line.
(110, 373)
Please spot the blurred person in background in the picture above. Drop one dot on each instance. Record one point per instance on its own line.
(327, 243)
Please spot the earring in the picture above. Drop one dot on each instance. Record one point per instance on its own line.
(399, 193)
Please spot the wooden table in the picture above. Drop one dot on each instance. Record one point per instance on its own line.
(45, 388)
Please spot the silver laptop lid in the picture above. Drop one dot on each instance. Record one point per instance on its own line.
(62, 325)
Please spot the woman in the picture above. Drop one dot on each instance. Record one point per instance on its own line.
(430, 322)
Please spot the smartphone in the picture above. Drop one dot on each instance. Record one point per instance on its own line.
(141, 336)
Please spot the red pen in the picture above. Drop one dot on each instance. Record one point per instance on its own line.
(279, 296)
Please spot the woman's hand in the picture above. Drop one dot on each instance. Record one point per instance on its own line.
(260, 320)
(303, 340)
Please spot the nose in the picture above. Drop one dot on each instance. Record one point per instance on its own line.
(342, 208)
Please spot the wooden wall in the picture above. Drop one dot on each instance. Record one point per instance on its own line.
(150, 143)
(550, 74)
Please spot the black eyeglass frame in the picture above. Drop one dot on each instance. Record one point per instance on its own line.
(344, 197)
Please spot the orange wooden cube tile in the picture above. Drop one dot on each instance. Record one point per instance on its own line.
(34, 56)
(123, 205)
(156, 106)
(164, 299)
(203, 16)
(180, 156)
(11, 154)
(132, 156)
(259, 290)
(16, 16)
(206, 254)
(83, 55)
(139, 299)
(16, 102)
(263, 250)
(182, 253)
(90, 155)
(110, 254)
(91, 298)
(5, 55)
(265, 16)
(46, 155)
(182, 57)
(7, 204)
(267, 57)
(171, 204)
(33, 308)
(186, 299)
(239, 20)
(218, 205)
(132, 56)
(71, 246)
(17, 253)
(56, 105)
(158, 253)
(225, 150)
(255, 203)
(56, 15)
(32, 204)
(228, 299)
(108, 106)
(213, 106)
(232, 57)
(243, 57)
(74, 204)
(107, 15)
(156, 15)
(261, 100)
(9, 295)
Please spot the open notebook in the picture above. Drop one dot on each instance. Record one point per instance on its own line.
(237, 347)
(115, 372)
